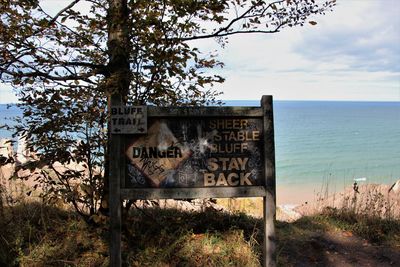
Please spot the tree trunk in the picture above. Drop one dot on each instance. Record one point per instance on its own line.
(119, 76)
(118, 49)
(117, 86)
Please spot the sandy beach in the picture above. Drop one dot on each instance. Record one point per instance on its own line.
(294, 194)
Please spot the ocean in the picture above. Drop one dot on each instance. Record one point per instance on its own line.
(323, 145)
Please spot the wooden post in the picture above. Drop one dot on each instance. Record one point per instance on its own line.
(269, 201)
(115, 194)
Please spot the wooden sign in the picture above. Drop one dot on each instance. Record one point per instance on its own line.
(192, 152)
(128, 119)
(197, 152)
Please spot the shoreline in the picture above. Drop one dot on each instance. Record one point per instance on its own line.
(299, 194)
(290, 198)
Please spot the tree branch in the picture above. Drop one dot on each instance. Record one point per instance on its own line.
(69, 29)
(229, 33)
(220, 32)
(37, 73)
(62, 11)
(99, 67)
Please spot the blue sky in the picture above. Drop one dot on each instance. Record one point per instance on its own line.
(353, 53)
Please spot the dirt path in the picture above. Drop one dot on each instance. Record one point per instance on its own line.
(342, 249)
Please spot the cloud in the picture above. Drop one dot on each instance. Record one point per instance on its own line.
(53, 7)
(364, 35)
(353, 53)
(7, 94)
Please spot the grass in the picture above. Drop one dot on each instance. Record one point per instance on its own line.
(38, 235)
(176, 238)
(372, 228)
(252, 206)
(33, 234)
(367, 213)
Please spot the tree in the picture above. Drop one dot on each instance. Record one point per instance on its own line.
(68, 68)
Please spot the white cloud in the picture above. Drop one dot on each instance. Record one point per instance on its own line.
(353, 53)
(52, 7)
(7, 94)
(317, 86)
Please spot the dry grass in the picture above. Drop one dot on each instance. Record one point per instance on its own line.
(169, 237)
(37, 235)
(34, 234)
(251, 206)
(370, 227)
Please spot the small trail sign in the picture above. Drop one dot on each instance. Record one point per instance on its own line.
(128, 119)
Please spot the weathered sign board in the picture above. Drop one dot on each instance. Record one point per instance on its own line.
(195, 152)
(199, 152)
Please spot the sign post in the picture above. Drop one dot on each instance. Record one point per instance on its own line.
(269, 200)
(193, 152)
(115, 168)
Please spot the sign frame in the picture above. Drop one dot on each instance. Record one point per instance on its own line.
(117, 173)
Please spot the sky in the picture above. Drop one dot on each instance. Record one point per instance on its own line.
(352, 54)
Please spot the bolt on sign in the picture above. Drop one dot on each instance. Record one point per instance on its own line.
(128, 119)
(192, 152)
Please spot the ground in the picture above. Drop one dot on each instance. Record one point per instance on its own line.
(37, 235)
(341, 249)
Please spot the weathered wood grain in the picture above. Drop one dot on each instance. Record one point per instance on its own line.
(269, 201)
(180, 193)
(153, 111)
(115, 176)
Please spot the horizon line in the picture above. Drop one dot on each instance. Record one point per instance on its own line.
(284, 100)
(316, 100)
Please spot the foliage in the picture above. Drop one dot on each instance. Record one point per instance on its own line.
(66, 67)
